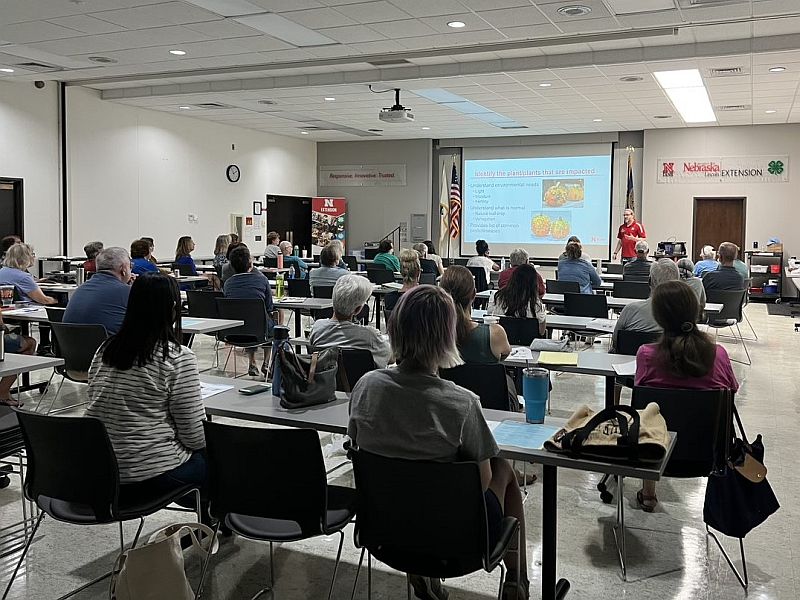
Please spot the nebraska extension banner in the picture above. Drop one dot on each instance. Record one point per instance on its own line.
(724, 169)
(327, 222)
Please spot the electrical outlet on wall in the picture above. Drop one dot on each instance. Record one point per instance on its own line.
(193, 218)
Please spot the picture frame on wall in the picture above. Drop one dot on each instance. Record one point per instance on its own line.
(258, 207)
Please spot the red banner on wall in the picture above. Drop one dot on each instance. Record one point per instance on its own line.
(328, 222)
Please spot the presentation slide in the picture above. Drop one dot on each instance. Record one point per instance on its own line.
(537, 203)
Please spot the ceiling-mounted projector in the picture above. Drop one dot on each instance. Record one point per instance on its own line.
(397, 113)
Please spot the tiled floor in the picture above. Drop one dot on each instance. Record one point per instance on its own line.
(669, 557)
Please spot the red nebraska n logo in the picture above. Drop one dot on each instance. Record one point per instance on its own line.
(668, 169)
(328, 203)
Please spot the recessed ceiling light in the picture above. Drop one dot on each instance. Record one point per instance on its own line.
(304, 132)
(103, 60)
(574, 10)
(329, 98)
(770, 112)
(456, 24)
(6, 70)
(777, 69)
(178, 52)
(545, 84)
(426, 128)
(597, 120)
(185, 107)
(630, 78)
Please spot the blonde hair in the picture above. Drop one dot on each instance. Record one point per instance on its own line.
(221, 246)
(410, 268)
(19, 256)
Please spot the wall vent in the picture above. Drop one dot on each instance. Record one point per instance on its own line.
(726, 72)
(733, 107)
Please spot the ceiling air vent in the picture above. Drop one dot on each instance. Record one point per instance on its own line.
(389, 62)
(732, 107)
(513, 126)
(38, 67)
(726, 72)
(212, 105)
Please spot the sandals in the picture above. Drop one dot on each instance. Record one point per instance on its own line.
(12, 402)
(646, 503)
(528, 479)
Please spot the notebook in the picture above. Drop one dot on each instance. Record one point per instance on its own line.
(558, 358)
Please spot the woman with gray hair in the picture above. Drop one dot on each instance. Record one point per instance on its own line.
(92, 249)
(20, 258)
(350, 294)
(411, 413)
(686, 270)
(426, 264)
(410, 270)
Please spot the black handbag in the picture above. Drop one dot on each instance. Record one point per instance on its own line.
(307, 380)
(738, 496)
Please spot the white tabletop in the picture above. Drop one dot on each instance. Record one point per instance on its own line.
(15, 364)
(710, 307)
(589, 363)
(198, 325)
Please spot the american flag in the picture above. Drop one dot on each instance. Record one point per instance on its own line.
(455, 205)
(630, 198)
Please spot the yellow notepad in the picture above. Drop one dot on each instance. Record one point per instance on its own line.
(558, 358)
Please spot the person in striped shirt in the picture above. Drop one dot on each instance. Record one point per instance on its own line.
(145, 387)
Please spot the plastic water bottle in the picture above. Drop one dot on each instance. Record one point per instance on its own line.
(296, 250)
(279, 286)
(503, 263)
(2, 345)
(280, 336)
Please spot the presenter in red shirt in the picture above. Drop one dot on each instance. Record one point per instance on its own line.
(630, 232)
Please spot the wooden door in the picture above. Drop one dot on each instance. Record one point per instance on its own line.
(290, 216)
(717, 220)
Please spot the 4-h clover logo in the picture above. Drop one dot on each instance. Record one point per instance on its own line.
(775, 167)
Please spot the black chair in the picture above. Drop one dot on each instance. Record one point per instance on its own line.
(55, 314)
(299, 288)
(91, 494)
(520, 332)
(488, 382)
(479, 273)
(586, 305)
(245, 464)
(380, 276)
(351, 262)
(444, 534)
(11, 445)
(428, 266)
(77, 345)
(631, 289)
(554, 286)
(355, 364)
(323, 291)
(203, 305)
(730, 316)
(427, 278)
(253, 334)
(460, 261)
(703, 421)
(184, 270)
(270, 262)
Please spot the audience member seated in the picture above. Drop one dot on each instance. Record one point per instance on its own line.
(273, 249)
(152, 245)
(573, 268)
(340, 248)
(247, 282)
(584, 256)
(234, 238)
(103, 299)
(183, 253)
(410, 271)
(520, 298)
(221, 251)
(726, 277)
(19, 258)
(290, 261)
(144, 386)
(350, 294)
(227, 268)
(328, 273)
(638, 269)
(482, 259)
(519, 256)
(684, 357)
(386, 257)
(708, 261)
(741, 267)
(140, 258)
(13, 344)
(426, 264)
(6, 243)
(410, 413)
(92, 249)
(432, 255)
(686, 269)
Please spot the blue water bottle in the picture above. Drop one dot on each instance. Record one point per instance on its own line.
(280, 337)
(535, 390)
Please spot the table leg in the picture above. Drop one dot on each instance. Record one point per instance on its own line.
(378, 312)
(298, 326)
(610, 383)
(551, 589)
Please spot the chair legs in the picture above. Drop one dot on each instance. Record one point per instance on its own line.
(750, 325)
(619, 530)
(336, 564)
(739, 331)
(44, 391)
(741, 577)
(22, 556)
(358, 570)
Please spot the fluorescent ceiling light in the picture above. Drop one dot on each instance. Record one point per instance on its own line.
(286, 30)
(545, 84)
(178, 52)
(304, 132)
(688, 94)
(229, 8)
(456, 24)
(597, 120)
(6, 70)
(777, 69)
(425, 128)
(329, 99)
(770, 112)
(185, 107)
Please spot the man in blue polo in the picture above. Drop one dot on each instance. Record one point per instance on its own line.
(103, 299)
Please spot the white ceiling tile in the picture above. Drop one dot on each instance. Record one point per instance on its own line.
(35, 31)
(226, 28)
(86, 24)
(472, 22)
(167, 13)
(429, 8)
(588, 25)
(373, 12)
(514, 17)
(404, 28)
(352, 34)
(280, 6)
(319, 17)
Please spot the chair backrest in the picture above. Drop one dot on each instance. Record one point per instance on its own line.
(250, 310)
(520, 332)
(427, 278)
(299, 288)
(380, 275)
(55, 314)
(203, 304)
(732, 302)
(323, 291)
(54, 446)
(351, 262)
(315, 258)
(288, 482)
(441, 533)
(614, 268)
(185, 270)
(628, 342)
(356, 364)
(488, 382)
(586, 305)
(77, 344)
(702, 420)
(460, 261)
(479, 273)
(554, 286)
(631, 289)
(271, 262)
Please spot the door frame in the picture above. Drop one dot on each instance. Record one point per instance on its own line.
(19, 204)
(743, 199)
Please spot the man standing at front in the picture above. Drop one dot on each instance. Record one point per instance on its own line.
(630, 232)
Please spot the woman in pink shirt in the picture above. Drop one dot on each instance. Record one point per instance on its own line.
(684, 357)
